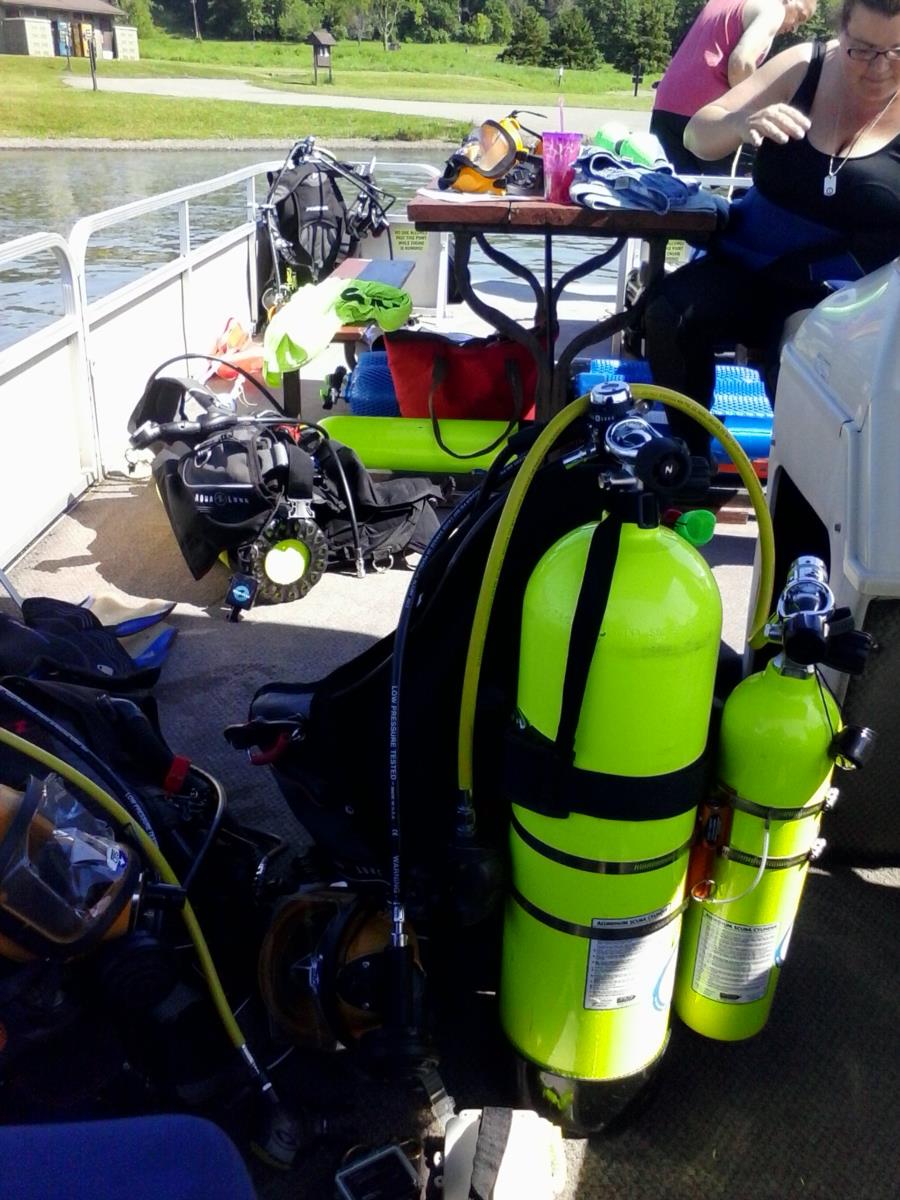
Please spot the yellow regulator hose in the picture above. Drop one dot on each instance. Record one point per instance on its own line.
(477, 638)
(713, 426)
(508, 517)
(152, 853)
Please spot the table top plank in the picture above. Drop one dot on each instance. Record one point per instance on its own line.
(512, 215)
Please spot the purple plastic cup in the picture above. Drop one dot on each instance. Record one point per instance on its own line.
(560, 152)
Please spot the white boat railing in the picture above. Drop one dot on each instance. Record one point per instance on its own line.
(67, 390)
(178, 307)
(48, 451)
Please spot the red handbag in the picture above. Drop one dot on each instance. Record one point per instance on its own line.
(447, 377)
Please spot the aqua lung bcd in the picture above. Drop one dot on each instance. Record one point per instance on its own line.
(780, 738)
(495, 156)
(274, 497)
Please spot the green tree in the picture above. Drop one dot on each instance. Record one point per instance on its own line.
(297, 19)
(528, 40)
(223, 18)
(571, 42)
(478, 30)
(358, 20)
(254, 15)
(652, 45)
(139, 13)
(386, 14)
(497, 12)
(614, 25)
(429, 21)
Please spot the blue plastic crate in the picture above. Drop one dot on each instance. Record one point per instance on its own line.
(740, 401)
(370, 388)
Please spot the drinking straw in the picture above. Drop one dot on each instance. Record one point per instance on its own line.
(562, 124)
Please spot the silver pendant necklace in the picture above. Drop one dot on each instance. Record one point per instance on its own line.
(829, 183)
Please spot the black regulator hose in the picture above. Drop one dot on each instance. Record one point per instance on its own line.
(348, 499)
(399, 1033)
(260, 387)
(469, 505)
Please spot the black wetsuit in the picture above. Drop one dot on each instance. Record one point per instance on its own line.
(718, 300)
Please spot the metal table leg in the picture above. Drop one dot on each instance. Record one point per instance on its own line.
(553, 376)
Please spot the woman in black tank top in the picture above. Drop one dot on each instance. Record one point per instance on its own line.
(826, 122)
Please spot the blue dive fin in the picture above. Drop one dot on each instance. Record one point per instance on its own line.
(155, 652)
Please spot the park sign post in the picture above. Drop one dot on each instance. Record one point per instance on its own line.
(321, 42)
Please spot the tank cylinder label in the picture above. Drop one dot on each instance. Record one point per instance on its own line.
(733, 961)
(623, 971)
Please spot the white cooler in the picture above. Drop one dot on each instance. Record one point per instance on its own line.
(834, 490)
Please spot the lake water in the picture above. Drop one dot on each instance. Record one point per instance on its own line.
(48, 190)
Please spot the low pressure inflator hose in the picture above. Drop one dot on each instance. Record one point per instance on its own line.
(154, 856)
(508, 517)
(766, 581)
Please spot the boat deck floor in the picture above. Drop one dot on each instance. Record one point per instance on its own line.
(807, 1109)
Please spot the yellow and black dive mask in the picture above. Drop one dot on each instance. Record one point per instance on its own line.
(65, 882)
(487, 157)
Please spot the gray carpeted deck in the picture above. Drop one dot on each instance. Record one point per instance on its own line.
(808, 1109)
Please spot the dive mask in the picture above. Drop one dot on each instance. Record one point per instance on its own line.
(65, 882)
(488, 157)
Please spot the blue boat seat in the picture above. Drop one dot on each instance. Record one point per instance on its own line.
(177, 1157)
(740, 401)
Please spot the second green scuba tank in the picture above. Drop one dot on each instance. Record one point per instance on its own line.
(619, 641)
(780, 737)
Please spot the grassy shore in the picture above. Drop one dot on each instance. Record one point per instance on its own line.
(414, 72)
(35, 103)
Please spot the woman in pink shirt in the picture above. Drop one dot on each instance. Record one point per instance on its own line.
(726, 43)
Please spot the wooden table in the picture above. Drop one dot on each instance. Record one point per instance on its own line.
(477, 220)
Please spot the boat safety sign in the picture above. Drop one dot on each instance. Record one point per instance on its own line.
(733, 961)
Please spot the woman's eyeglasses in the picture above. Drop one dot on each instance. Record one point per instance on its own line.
(868, 54)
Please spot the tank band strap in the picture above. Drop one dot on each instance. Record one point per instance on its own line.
(536, 778)
(597, 866)
(588, 931)
(772, 864)
(587, 620)
(725, 795)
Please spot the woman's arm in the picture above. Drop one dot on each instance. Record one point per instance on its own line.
(756, 109)
(762, 20)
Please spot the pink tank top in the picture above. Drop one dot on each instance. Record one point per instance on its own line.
(698, 73)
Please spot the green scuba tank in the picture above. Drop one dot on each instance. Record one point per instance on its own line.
(780, 736)
(408, 443)
(620, 634)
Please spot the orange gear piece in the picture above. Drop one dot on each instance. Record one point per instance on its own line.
(233, 339)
